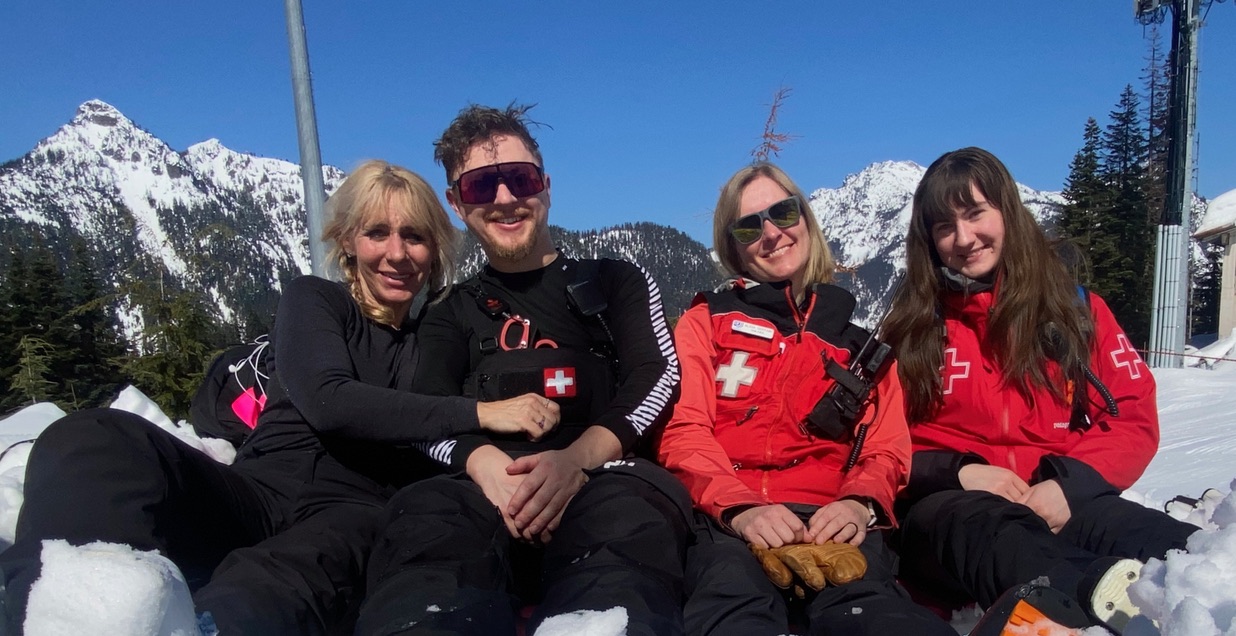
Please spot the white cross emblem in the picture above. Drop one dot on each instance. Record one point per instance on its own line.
(951, 354)
(1131, 360)
(735, 373)
(560, 382)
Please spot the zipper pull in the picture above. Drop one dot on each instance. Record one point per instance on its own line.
(750, 414)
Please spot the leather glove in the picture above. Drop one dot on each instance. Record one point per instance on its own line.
(815, 564)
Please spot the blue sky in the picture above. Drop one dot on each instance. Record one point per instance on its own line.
(653, 104)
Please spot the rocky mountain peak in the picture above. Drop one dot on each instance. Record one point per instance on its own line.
(100, 113)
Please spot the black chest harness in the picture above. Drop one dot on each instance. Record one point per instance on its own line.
(516, 359)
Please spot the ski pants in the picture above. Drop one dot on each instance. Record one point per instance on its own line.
(446, 563)
(275, 544)
(961, 545)
(729, 594)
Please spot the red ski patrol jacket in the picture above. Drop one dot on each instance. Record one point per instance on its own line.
(752, 369)
(982, 415)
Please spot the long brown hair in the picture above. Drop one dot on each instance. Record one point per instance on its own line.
(1037, 315)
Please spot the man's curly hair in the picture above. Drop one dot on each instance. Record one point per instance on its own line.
(478, 124)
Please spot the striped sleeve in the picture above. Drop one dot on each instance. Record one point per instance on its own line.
(649, 374)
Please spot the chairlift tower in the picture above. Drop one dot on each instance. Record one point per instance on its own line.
(1168, 318)
(307, 135)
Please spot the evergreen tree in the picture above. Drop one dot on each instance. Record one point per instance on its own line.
(33, 301)
(1129, 275)
(91, 371)
(1206, 278)
(10, 317)
(181, 336)
(1157, 91)
(30, 384)
(1088, 197)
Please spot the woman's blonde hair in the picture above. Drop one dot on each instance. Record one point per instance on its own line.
(370, 192)
(820, 264)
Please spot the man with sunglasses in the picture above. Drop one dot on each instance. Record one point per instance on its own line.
(574, 521)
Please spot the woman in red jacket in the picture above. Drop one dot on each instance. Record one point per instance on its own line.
(758, 443)
(1029, 408)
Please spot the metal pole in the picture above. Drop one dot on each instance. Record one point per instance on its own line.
(1187, 182)
(307, 133)
(1171, 294)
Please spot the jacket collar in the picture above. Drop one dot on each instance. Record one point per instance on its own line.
(825, 309)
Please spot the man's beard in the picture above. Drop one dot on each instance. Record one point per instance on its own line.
(516, 252)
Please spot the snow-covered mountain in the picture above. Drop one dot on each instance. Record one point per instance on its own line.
(223, 223)
(230, 226)
(866, 220)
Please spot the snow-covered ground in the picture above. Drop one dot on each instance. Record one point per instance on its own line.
(1220, 213)
(1189, 594)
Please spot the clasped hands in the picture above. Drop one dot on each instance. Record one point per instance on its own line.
(530, 492)
(1045, 498)
(822, 551)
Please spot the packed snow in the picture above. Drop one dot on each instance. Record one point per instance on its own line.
(1220, 213)
(104, 584)
(1191, 593)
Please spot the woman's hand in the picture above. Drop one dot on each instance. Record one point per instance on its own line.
(487, 468)
(1047, 500)
(993, 479)
(842, 521)
(770, 526)
(529, 413)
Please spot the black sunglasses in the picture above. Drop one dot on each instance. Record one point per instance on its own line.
(783, 214)
(480, 186)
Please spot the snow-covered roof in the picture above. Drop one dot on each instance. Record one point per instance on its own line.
(1220, 216)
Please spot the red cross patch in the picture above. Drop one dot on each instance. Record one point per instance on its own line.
(951, 363)
(560, 382)
(1126, 356)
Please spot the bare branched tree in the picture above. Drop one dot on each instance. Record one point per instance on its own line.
(771, 141)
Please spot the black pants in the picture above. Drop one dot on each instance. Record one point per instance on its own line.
(728, 593)
(963, 545)
(446, 563)
(275, 544)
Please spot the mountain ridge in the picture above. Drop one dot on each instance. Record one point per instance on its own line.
(230, 225)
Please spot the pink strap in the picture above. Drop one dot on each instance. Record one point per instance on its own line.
(248, 405)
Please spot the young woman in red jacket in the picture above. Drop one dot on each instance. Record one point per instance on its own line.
(1029, 408)
(759, 467)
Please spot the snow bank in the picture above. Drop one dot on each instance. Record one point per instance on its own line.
(1193, 593)
(21, 428)
(17, 432)
(136, 402)
(1220, 213)
(611, 622)
(1213, 354)
(105, 588)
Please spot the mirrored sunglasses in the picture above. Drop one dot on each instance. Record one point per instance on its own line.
(480, 186)
(783, 214)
